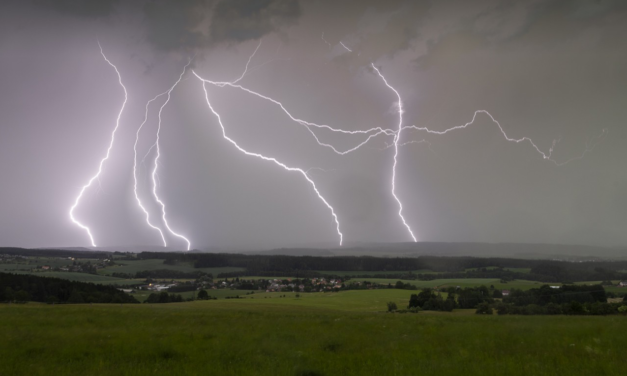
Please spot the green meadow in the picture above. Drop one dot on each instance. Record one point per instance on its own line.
(346, 333)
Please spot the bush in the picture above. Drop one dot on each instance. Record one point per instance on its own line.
(392, 307)
(484, 309)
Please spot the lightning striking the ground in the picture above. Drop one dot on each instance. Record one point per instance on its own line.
(397, 137)
(156, 162)
(377, 131)
(139, 202)
(154, 172)
(103, 160)
(365, 135)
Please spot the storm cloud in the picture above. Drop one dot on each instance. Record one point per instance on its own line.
(554, 71)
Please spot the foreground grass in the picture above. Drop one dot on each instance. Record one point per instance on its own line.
(290, 336)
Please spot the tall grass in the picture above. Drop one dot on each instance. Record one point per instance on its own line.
(275, 338)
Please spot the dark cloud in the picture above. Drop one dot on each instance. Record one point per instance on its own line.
(241, 20)
(81, 8)
(201, 23)
(175, 25)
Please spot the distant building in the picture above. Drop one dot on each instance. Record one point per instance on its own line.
(622, 284)
(505, 292)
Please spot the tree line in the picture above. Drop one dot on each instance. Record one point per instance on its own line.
(25, 287)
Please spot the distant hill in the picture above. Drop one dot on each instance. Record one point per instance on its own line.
(507, 250)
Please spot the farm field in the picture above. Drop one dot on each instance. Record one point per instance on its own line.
(325, 334)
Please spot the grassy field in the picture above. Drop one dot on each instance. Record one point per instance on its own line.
(132, 267)
(323, 334)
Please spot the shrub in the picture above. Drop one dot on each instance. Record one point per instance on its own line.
(484, 309)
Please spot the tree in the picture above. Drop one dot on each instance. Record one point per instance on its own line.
(22, 296)
(76, 298)
(9, 294)
(392, 307)
(418, 300)
(203, 295)
(413, 301)
(484, 309)
(164, 297)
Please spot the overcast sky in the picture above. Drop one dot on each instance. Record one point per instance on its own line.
(547, 70)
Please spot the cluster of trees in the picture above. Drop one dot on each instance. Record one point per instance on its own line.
(469, 297)
(565, 294)
(402, 267)
(204, 295)
(428, 300)
(164, 297)
(572, 308)
(404, 286)
(25, 287)
(261, 263)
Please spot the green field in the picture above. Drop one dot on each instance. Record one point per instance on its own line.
(318, 334)
(132, 267)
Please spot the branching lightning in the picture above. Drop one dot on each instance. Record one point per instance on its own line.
(154, 172)
(106, 157)
(365, 136)
(397, 137)
(376, 131)
(545, 155)
(269, 159)
(156, 163)
(139, 203)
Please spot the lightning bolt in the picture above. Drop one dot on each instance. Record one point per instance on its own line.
(269, 159)
(156, 163)
(106, 157)
(310, 126)
(139, 203)
(347, 49)
(397, 137)
(545, 155)
(376, 131)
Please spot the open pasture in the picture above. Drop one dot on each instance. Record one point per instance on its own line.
(288, 336)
